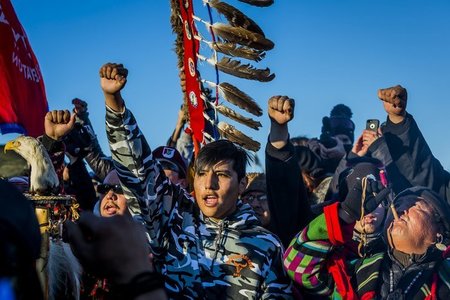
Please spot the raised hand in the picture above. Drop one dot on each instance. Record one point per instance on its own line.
(281, 109)
(58, 123)
(394, 101)
(80, 106)
(113, 78)
(364, 141)
(396, 95)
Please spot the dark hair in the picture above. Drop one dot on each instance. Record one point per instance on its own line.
(220, 150)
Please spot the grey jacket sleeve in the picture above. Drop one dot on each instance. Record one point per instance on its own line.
(96, 159)
(142, 177)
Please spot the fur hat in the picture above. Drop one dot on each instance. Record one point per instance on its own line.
(170, 158)
(256, 182)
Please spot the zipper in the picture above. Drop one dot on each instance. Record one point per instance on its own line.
(222, 224)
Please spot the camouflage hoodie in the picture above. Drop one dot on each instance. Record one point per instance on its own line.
(233, 258)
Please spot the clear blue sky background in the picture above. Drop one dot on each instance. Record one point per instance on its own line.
(326, 52)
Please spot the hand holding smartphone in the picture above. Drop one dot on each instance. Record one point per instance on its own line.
(372, 124)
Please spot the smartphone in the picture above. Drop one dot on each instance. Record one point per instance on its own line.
(372, 124)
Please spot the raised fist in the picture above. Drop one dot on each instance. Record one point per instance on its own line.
(395, 99)
(281, 109)
(58, 123)
(113, 78)
(396, 95)
(79, 106)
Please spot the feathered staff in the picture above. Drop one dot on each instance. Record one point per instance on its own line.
(241, 38)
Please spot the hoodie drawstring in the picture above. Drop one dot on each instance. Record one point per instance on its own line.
(218, 240)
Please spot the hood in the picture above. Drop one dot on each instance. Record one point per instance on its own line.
(242, 218)
(408, 198)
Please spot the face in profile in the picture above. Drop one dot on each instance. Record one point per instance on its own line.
(415, 230)
(258, 201)
(217, 189)
(113, 201)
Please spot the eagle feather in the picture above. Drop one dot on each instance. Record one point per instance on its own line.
(235, 68)
(235, 17)
(242, 36)
(234, 95)
(229, 132)
(240, 51)
(237, 97)
(228, 112)
(260, 3)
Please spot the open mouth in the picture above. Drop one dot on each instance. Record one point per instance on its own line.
(370, 219)
(211, 200)
(111, 208)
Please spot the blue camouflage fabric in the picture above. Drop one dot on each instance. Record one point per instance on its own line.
(234, 258)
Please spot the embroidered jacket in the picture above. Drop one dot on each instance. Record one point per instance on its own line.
(234, 258)
(311, 261)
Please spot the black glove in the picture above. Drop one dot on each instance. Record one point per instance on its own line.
(351, 206)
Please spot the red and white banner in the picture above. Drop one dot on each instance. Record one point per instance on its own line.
(191, 46)
(23, 103)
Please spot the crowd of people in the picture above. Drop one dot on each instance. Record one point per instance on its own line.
(341, 216)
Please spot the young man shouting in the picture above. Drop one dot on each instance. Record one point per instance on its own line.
(210, 247)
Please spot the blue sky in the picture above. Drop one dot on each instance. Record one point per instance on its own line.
(326, 52)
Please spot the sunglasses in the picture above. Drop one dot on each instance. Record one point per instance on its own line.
(105, 188)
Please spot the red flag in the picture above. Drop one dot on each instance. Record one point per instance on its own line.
(191, 46)
(23, 103)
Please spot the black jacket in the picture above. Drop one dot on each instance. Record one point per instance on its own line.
(286, 193)
(408, 159)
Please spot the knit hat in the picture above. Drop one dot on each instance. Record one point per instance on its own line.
(339, 122)
(171, 159)
(256, 183)
(349, 176)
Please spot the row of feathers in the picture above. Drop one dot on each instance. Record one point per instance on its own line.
(242, 38)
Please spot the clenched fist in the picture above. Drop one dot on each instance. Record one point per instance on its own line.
(281, 109)
(113, 78)
(396, 95)
(394, 101)
(58, 123)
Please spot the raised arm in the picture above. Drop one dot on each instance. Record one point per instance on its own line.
(286, 191)
(404, 150)
(96, 159)
(141, 176)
